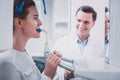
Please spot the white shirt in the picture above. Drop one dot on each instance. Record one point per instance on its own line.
(106, 51)
(24, 65)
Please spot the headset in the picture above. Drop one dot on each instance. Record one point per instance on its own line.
(21, 3)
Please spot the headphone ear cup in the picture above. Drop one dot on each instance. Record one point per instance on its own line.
(19, 6)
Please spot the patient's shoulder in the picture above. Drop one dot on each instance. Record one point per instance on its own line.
(6, 56)
(8, 71)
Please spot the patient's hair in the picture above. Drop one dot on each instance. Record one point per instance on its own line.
(26, 5)
(23, 14)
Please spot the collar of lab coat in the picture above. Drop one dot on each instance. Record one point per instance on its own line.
(78, 40)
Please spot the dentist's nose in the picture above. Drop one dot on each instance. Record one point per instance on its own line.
(81, 24)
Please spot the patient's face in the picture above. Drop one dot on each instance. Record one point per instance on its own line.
(31, 23)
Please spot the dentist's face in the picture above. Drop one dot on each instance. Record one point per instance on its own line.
(84, 23)
(107, 26)
(31, 23)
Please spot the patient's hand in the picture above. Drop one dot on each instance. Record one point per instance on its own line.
(52, 63)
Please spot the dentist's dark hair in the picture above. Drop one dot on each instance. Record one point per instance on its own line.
(106, 9)
(87, 9)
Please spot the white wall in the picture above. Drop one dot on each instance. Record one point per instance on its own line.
(115, 32)
(6, 24)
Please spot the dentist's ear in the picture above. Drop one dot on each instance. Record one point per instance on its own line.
(17, 22)
(93, 24)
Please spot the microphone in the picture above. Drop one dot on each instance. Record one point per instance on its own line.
(39, 30)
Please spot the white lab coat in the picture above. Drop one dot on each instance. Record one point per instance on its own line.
(23, 66)
(70, 49)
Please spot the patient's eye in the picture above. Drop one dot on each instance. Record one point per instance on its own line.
(35, 17)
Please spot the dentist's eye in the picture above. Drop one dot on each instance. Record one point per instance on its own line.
(108, 21)
(86, 22)
(79, 20)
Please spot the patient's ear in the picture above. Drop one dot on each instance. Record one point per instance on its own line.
(17, 22)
